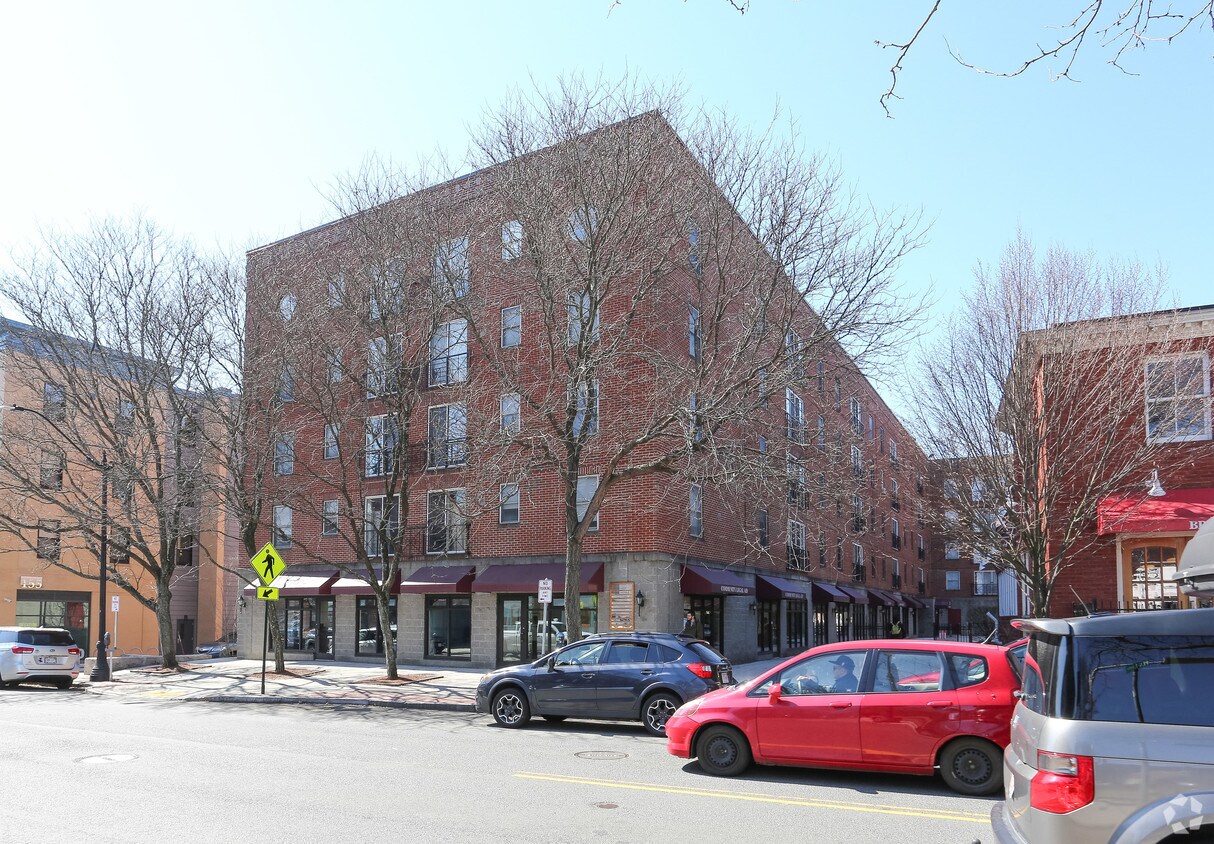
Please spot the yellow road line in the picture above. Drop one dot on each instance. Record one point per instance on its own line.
(936, 814)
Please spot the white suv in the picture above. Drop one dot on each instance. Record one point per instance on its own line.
(38, 654)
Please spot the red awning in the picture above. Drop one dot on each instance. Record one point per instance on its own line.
(700, 580)
(445, 579)
(358, 586)
(914, 603)
(297, 585)
(1178, 510)
(772, 588)
(881, 598)
(526, 578)
(859, 595)
(826, 592)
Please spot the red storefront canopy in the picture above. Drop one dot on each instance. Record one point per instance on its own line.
(826, 592)
(701, 580)
(771, 588)
(358, 586)
(1178, 510)
(440, 579)
(525, 578)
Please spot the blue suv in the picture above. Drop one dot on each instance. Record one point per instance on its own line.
(612, 676)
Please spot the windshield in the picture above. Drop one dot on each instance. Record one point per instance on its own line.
(45, 637)
(1146, 679)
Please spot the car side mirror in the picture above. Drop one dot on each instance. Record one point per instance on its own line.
(552, 663)
(774, 693)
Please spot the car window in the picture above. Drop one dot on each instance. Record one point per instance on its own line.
(1040, 673)
(588, 653)
(627, 652)
(1015, 656)
(45, 637)
(830, 673)
(661, 653)
(8, 635)
(1146, 679)
(705, 652)
(968, 669)
(907, 671)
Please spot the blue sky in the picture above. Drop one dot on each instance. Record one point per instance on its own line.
(227, 120)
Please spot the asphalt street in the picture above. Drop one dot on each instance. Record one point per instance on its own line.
(80, 768)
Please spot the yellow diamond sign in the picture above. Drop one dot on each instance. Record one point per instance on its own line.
(268, 564)
(267, 593)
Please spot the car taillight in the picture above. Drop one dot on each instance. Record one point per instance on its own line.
(19, 649)
(74, 651)
(700, 670)
(1063, 783)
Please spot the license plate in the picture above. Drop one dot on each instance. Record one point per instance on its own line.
(48, 660)
(726, 677)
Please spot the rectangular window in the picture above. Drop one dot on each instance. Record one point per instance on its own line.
(452, 269)
(370, 637)
(857, 462)
(857, 418)
(586, 415)
(821, 433)
(54, 401)
(796, 546)
(796, 481)
(282, 529)
(583, 318)
(794, 410)
(821, 376)
(695, 506)
(857, 514)
(187, 551)
(284, 454)
(838, 395)
(512, 240)
(328, 518)
(508, 507)
(286, 384)
(870, 428)
(895, 502)
(512, 326)
(587, 485)
(761, 522)
(379, 368)
(857, 562)
(582, 224)
(381, 525)
(449, 354)
(1178, 398)
(510, 409)
(448, 627)
(446, 522)
(48, 540)
(986, 582)
(893, 454)
(822, 549)
(335, 367)
(124, 422)
(895, 534)
(337, 291)
(447, 443)
(330, 447)
(693, 250)
(762, 444)
(952, 580)
(952, 551)
(51, 469)
(693, 332)
(381, 437)
(695, 421)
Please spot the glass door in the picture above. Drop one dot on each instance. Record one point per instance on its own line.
(325, 622)
(511, 630)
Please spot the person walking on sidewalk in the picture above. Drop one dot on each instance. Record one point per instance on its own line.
(691, 627)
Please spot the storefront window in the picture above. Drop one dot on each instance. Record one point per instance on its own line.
(370, 637)
(1153, 587)
(310, 625)
(796, 625)
(768, 613)
(449, 626)
(523, 636)
(710, 613)
(69, 610)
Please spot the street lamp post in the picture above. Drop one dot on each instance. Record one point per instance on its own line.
(101, 665)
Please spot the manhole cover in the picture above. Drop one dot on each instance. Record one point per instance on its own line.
(605, 805)
(601, 754)
(109, 757)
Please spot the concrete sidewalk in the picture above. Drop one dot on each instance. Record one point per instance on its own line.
(313, 682)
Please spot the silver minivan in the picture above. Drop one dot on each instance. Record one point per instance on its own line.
(38, 654)
(1113, 738)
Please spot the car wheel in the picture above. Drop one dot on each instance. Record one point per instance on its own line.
(656, 711)
(972, 766)
(723, 751)
(510, 708)
(554, 719)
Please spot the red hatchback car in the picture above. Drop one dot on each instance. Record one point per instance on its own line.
(899, 705)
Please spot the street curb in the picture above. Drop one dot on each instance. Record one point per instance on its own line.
(336, 701)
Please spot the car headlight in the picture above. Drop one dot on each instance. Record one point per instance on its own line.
(689, 708)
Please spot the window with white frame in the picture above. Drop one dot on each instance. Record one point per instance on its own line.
(449, 354)
(857, 462)
(381, 436)
(512, 326)
(821, 376)
(986, 582)
(977, 490)
(286, 306)
(508, 505)
(512, 240)
(583, 318)
(693, 331)
(952, 580)
(446, 522)
(286, 384)
(893, 454)
(794, 352)
(510, 409)
(336, 291)
(794, 410)
(382, 359)
(330, 447)
(695, 508)
(895, 533)
(796, 546)
(952, 551)
(1178, 398)
(693, 249)
(328, 517)
(797, 481)
(284, 454)
(582, 223)
(857, 560)
(447, 439)
(381, 525)
(333, 360)
(452, 268)
(587, 486)
(870, 428)
(586, 413)
(857, 417)
(282, 528)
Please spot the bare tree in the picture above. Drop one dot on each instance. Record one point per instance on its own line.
(1035, 390)
(114, 315)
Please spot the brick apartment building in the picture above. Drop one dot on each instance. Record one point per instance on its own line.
(835, 550)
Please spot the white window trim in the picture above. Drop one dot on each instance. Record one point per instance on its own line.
(519, 327)
(582, 397)
(1207, 433)
(430, 444)
(501, 505)
(518, 413)
(461, 370)
(459, 512)
(328, 520)
(283, 530)
(330, 438)
(512, 240)
(594, 525)
(695, 507)
(952, 581)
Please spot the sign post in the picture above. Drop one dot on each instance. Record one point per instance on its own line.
(546, 599)
(114, 609)
(269, 565)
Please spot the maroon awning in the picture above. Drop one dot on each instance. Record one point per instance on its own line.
(297, 585)
(772, 588)
(915, 603)
(443, 579)
(859, 595)
(358, 586)
(526, 578)
(701, 580)
(885, 597)
(826, 592)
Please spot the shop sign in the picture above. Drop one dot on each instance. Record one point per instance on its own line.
(622, 605)
(31, 582)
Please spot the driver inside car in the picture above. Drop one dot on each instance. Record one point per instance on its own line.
(843, 667)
